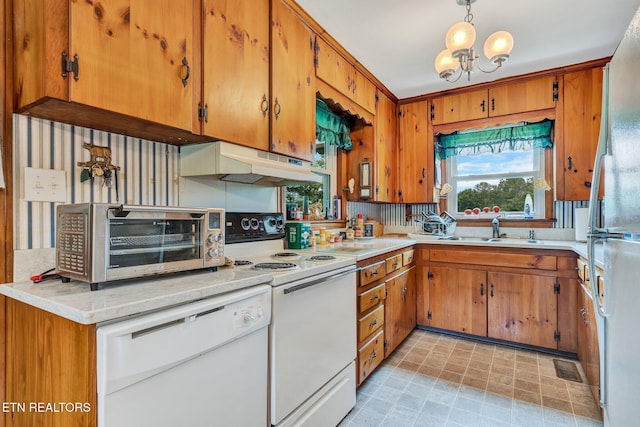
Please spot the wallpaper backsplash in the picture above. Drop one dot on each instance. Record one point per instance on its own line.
(148, 173)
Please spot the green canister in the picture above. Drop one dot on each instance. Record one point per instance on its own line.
(298, 234)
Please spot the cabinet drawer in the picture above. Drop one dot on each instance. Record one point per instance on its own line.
(370, 355)
(372, 273)
(407, 257)
(393, 263)
(583, 270)
(370, 323)
(371, 298)
(497, 259)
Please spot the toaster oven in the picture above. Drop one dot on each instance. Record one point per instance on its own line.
(100, 242)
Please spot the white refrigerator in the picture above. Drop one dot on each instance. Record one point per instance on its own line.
(618, 317)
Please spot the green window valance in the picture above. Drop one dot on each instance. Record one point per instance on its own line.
(516, 138)
(332, 128)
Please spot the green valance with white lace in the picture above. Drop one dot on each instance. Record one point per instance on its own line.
(331, 128)
(515, 138)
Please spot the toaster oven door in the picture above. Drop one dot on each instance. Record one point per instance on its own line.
(143, 244)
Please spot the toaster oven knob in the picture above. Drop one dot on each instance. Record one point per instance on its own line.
(211, 239)
(212, 252)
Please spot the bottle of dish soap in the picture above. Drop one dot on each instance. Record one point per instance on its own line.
(528, 207)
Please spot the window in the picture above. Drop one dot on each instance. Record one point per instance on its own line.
(496, 169)
(318, 196)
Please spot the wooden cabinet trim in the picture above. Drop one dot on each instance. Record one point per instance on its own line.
(536, 261)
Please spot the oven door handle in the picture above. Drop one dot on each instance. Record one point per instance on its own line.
(123, 210)
(316, 282)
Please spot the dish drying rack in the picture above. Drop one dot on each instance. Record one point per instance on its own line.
(435, 225)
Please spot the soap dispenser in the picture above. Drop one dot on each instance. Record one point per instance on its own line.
(528, 207)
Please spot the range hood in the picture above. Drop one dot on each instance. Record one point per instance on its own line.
(236, 163)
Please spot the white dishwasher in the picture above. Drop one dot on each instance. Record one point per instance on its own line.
(200, 364)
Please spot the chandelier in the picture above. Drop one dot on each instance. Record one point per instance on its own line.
(460, 53)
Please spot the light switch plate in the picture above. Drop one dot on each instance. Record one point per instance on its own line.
(45, 185)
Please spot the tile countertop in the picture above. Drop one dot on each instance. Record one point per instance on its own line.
(75, 301)
(364, 248)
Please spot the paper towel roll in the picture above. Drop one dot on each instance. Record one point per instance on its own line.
(580, 224)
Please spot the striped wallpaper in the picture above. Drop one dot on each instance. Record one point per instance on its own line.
(148, 173)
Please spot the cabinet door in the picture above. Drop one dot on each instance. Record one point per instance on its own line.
(384, 168)
(588, 351)
(364, 92)
(582, 111)
(136, 58)
(460, 107)
(333, 68)
(293, 111)
(457, 300)
(530, 95)
(416, 156)
(522, 309)
(399, 309)
(236, 71)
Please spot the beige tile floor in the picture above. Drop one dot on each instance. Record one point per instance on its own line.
(439, 380)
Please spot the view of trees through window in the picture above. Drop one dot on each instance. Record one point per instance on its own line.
(509, 194)
(317, 195)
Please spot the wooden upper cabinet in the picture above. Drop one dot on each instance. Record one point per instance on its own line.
(236, 71)
(520, 97)
(459, 107)
(499, 100)
(581, 127)
(415, 154)
(132, 58)
(135, 58)
(293, 106)
(335, 70)
(385, 162)
(364, 92)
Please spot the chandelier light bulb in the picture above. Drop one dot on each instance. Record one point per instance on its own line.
(498, 46)
(460, 38)
(446, 65)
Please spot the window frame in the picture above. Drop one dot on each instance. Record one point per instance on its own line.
(539, 196)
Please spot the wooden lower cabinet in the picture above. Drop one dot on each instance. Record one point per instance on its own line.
(370, 355)
(33, 376)
(522, 308)
(399, 308)
(588, 349)
(457, 299)
(524, 297)
(386, 311)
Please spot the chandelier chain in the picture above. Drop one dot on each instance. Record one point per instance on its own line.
(469, 16)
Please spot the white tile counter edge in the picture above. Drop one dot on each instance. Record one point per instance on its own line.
(75, 301)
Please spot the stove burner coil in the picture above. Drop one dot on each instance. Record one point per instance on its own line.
(322, 258)
(275, 266)
(285, 255)
(242, 262)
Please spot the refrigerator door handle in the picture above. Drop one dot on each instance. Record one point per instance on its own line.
(594, 233)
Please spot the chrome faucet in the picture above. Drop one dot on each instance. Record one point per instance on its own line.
(495, 224)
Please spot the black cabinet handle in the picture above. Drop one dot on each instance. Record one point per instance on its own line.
(569, 163)
(481, 289)
(491, 291)
(264, 105)
(185, 79)
(482, 105)
(276, 109)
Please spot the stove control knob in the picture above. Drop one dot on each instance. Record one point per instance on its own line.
(254, 223)
(280, 222)
(272, 222)
(245, 223)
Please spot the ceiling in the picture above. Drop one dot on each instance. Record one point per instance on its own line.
(398, 41)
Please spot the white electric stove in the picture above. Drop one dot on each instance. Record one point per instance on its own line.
(312, 335)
